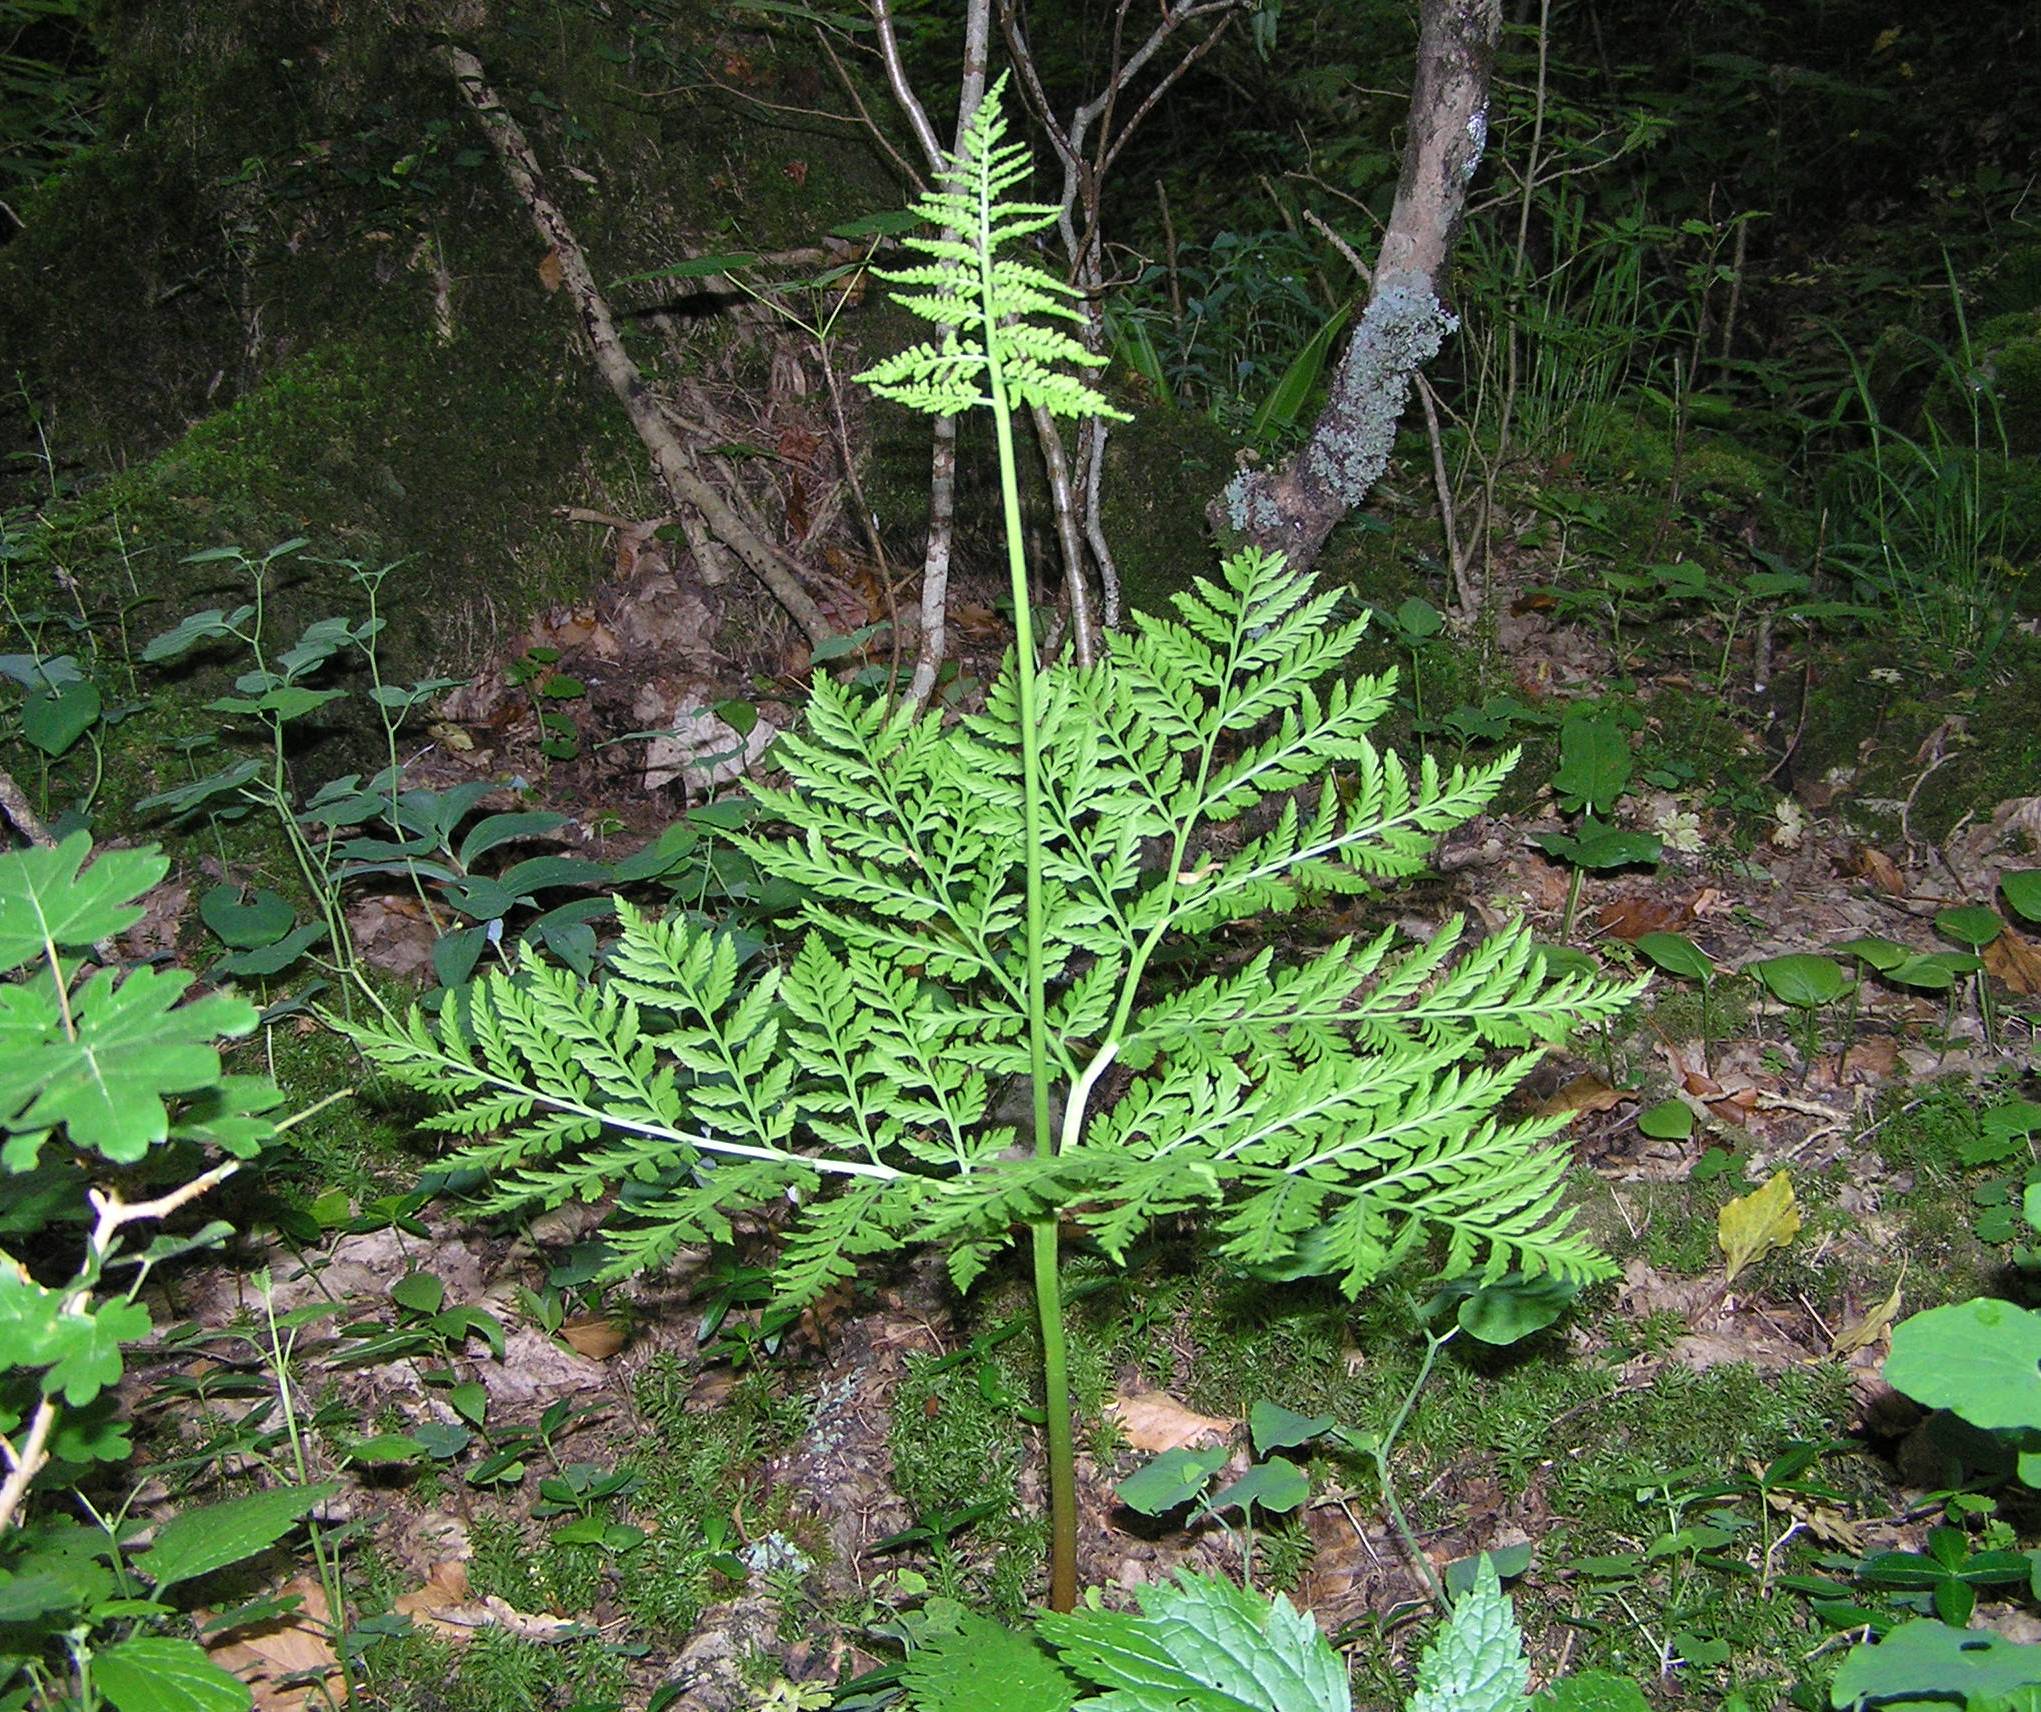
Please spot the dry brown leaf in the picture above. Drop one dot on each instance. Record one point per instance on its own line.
(1868, 1327)
(1823, 1521)
(1154, 1421)
(1585, 1093)
(1635, 914)
(596, 1336)
(442, 1607)
(266, 1655)
(551, 275)
(1866, 863)
(2014, 960)
(1873, 1058)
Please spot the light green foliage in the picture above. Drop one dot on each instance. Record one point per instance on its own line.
(112, 1065)
(979, 299)
(1348, 1097)
(1928, 1663)
(1202, 1641)
(969, 1663)
(1476, 1662)
(1978, 1358)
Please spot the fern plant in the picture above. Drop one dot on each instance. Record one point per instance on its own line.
(997, 898)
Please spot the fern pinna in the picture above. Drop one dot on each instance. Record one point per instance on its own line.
(995, 898)
(1330, 1112)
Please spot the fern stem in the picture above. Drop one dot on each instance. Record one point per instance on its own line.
(1048, 1280)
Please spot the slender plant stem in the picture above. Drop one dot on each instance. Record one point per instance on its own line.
(1048, 1284)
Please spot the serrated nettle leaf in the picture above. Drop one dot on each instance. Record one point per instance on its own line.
(197, 1542)
(161, 1673)
(1594, 763)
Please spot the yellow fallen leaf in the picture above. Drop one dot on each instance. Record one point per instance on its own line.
(1760, 1223)
(1868, 1327)
(1154, 1421)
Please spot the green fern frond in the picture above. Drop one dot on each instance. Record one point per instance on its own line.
(981, 299)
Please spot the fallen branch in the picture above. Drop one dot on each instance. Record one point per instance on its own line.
(672, 460)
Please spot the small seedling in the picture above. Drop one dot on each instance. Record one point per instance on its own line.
(1803, 981)
(1975, 926)
(1594, 771)
(1676, 954)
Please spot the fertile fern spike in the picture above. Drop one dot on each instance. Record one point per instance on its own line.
(979, 298)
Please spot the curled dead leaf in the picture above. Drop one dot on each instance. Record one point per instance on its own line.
(1868, 1327)
(1866, 863)
(2015, 961)
(1585, 1093)
(443, 1607)
(1154, 1421)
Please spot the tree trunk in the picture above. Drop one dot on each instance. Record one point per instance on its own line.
(1293, 506)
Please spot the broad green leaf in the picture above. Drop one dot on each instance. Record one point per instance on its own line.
(1462, 1575)
(497, 829)
(135, 1045)
(421, 1292)
(79, 1350)
(200, 1541)
(159, 1673)
(1972, 925)
(1755, 1225)
(1934, 971)
(1284, 407)
(181, 800)
(1512, 1308)
(1926, 1660)
(1669, 1120)
(1201, 1642)
(882, 224)
(274, 958)
(54, 720)
(1882, 954)
(1594, 763)
(46, 899)
(1593, 1692)
(2022, 887)
(1802, 979)
(210, 626)
(1276, 1486)
(261, 918)
(1273, 1427)
(1172, 1479)
(1676, 954)
(1980, 1359)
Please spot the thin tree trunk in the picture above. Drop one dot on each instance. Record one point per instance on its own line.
(942, 464)
(672, 460)
(1293, 506)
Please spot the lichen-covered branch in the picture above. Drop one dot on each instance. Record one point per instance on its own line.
(1293, 506)
(672, 460)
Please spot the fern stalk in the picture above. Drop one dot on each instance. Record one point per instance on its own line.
(1043, 1235)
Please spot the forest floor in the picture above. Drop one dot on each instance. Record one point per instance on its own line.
(664, 1488)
